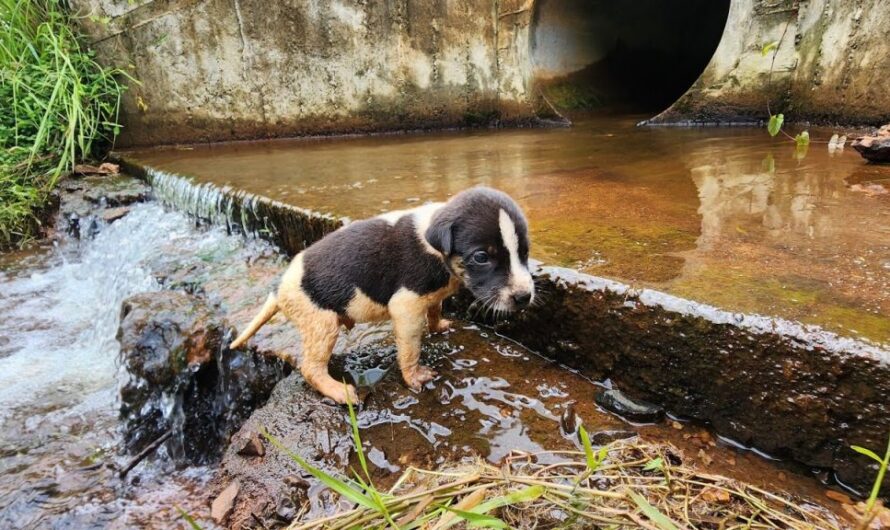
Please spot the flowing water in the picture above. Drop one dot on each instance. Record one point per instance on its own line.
(60, 310)
(729, 217)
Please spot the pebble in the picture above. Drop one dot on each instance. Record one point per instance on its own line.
(632, 410)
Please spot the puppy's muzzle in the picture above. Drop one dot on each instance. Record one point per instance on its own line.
(522, 299)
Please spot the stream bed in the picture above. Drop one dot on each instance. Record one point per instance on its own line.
(59, 378)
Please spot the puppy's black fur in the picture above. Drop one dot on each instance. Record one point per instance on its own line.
(374, 256)
(469, 224)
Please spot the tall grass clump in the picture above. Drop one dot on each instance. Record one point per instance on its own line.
(57, 106)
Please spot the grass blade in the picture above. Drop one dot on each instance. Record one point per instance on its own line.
(188, 518)
(867, 452)
(588, 449)
(478, 520)
(335, 484)
(660, 519)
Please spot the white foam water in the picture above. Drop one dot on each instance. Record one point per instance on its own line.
(59, 315)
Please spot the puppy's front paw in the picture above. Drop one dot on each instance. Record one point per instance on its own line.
(416, 377)
(440, 326)
(339, 393)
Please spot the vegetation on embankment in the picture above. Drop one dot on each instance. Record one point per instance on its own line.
(57, 106)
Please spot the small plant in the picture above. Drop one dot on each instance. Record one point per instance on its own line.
(774, 125)
(883, 463)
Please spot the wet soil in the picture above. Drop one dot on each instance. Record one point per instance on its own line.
(729, 217)
(492, 398)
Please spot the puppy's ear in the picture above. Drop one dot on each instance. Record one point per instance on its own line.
(438, 235)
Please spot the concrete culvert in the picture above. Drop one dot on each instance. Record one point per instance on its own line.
(636, 56)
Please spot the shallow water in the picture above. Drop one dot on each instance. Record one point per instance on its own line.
(729, 217)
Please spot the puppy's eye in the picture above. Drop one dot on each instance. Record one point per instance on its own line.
(480, 257)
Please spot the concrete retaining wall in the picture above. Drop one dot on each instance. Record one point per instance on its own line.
(234, 69)
(831, 65)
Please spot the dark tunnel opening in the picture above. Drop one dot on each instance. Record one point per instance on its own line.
(635, 56)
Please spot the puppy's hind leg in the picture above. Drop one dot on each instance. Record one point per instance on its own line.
(318, 329)
(408, 312)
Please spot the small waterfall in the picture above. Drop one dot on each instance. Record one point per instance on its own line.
(289, 227)
(62, 319)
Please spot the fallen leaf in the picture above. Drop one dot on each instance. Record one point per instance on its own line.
(838, 496)
(109, 169)
(677, 425)
(731, 461)
(710, 494)
(705, 458)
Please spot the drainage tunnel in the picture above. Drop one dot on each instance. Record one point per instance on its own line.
(638, 55)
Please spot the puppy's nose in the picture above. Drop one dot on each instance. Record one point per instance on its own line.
(522, 299)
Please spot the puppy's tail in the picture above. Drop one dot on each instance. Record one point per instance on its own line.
(268, 311)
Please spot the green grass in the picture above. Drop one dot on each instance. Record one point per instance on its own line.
(883, 464)
(58, 104)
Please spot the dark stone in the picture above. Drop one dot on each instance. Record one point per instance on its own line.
(874, 148)
(249, 444)
(792, 392)
(607, 437)
(636, 411)
(183, 377)
(568, 421)
(83, 202)
(301, 420)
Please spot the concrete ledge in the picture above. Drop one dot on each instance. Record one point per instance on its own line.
(289, 227)
(787, 390)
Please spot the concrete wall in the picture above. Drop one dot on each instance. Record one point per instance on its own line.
(230, 69)
(238, 69)
(832, 64)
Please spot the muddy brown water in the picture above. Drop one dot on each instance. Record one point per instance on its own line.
(727, 216)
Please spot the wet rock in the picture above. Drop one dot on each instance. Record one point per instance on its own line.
(182, 377)
(113, 214)
(86, 203)
(636, 411)
(222, 505)
(249, 445)
(274, 487)
(876, 147)
(114, 191)
(607, 437)
(568, 421)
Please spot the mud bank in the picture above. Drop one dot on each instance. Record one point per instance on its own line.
(791, 391)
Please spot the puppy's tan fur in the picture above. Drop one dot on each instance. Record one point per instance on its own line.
(410, 313)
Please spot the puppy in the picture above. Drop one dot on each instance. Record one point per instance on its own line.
(401, 266)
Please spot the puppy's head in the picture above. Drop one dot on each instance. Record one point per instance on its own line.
(483, 237)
